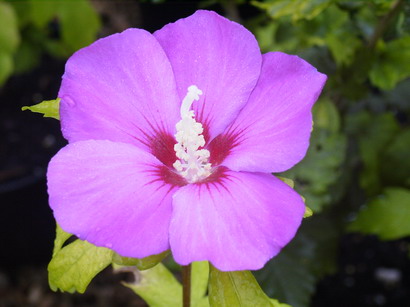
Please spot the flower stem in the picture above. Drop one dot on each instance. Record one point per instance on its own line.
(186, 285)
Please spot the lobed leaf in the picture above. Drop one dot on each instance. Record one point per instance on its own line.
(61, 238)
(74, 266)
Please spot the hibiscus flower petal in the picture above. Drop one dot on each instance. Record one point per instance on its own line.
(220, 57)
(237, 222)
(120, 88)
(271, 134)
(111, 194)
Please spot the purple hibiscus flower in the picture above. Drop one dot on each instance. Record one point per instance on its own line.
(173, 137)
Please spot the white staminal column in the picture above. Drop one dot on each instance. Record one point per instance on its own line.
(193, 162)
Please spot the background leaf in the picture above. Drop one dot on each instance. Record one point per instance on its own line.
(396, 171)
(387, 216)
(9, 34)
(392, 64)
(9, 40)
(320, 169)
(79, 23)
(298, 9)
(373, 134)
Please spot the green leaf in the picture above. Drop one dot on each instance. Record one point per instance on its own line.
(373, 133)
(276, 303)
(157, 286)
(199, 283)
(79, 23)
(9, 33)
(61, 238)
(238, 288)
(397, 170)
(141, 263)
(387, 216)
(42, 12)
(9, 40)
(308, 212)
(265, 35)
(392, 64)
(288, 181)
(291, 276)
(326, 115)
(320, 171)
(340, 38)
(74, 266)
(49, 108)
(298, 9)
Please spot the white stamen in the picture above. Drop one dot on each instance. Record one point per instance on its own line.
(193, 162)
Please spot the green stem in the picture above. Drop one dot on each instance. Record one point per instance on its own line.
(186, 285)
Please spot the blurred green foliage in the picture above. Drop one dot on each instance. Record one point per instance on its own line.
(358, 162)
(9, 40)
(387, 215)
(32, 28)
